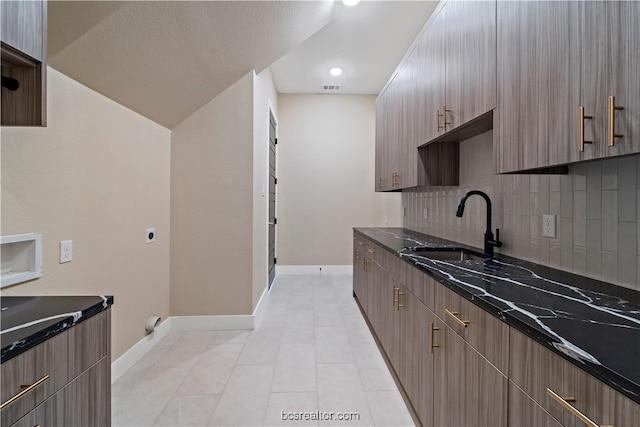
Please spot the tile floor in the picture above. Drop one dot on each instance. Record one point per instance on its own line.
(311, 352)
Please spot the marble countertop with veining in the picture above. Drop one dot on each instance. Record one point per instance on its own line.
(26, 321)
(595, 325)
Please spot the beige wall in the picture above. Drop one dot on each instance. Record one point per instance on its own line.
(98, 174)
(596, 206)
(265, 99)
(211, 206)
(326, 157)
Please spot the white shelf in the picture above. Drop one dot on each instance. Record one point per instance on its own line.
(21, 258)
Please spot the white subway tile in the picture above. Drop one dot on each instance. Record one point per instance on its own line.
(610, 220)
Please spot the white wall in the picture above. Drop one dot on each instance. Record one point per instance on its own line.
(211, 206)
(98, 174)
(326, 159)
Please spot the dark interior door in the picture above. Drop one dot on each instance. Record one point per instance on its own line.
(272, 199)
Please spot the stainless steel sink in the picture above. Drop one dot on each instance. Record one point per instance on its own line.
(450, 254)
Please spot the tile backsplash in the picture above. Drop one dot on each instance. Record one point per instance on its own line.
(596, 205)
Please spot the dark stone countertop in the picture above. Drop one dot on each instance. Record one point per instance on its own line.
(593, 324)
(27, 321)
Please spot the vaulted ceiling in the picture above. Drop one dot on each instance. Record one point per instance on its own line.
(165, 59)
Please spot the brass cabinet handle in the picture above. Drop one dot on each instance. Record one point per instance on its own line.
(565, 402)
(394, 296)
(398, 306)
(454, 314)
(612, 127)
(444, 115)
(27, 389)
(438, 125)
(397, 178)
(380, 182)
(431, 344)
(357, 253)
(581, 119)
(365, 263)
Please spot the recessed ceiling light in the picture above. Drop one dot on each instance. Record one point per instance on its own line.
(350, 2)
(335, 71)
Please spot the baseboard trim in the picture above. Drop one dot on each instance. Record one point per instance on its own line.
(313, 269)
(258, 313)
(185, 323)
(123, 363)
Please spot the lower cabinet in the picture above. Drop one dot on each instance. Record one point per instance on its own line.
(461, 366)
(566, 392)
(77, 392)
(469, 391)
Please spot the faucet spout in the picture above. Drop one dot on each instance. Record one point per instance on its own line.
(489, 241)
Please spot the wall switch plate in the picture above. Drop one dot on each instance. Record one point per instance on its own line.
(549, 226)
(150, 235)
(66, 251)
(425, 214)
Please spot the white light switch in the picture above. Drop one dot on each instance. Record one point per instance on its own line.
(66, 251)
(549, 226)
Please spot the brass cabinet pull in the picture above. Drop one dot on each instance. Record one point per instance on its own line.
(581, 119)
(438, 125)
(380, 182)
(395, 179)
(27, 389)
(431, 344)
(565, 402)
(444, 116)
(365, 263)
(394, 296)
(357, 253)
(399, 305)
(612, 127)
(454, 314)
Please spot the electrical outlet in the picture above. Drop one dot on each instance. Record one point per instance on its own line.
(549, 226)
(66, 251)
(150, 235)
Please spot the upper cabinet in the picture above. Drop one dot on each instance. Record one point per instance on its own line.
(457, 77)
(608, 46)
(447, 80)
(396, 130)
(24, 53)
(566, 89)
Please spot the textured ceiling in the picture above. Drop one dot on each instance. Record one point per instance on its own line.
(165, 59)
(367, 41)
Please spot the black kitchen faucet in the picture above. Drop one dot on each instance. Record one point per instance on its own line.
(489, 242)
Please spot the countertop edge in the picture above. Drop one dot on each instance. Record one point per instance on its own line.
(50, 331)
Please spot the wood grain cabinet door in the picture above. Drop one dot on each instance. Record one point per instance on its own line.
(382, 179)
(415, 355)
(470, 60)
(431, 79)
(43, 367)
(525, 412)
(538, 84)
(468, 390)
(604, 28)
(359, 276)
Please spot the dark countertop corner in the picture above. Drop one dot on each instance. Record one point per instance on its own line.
(26, 321)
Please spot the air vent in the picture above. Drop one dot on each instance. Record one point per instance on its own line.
(330, 88)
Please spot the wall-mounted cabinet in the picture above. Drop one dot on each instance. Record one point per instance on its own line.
(458, 73)
(446, 82)
(567, 90)
(24, 62)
